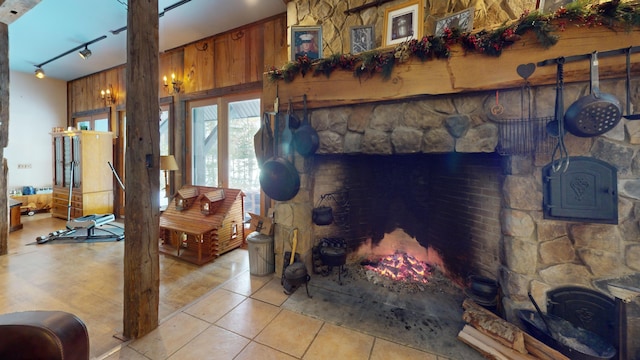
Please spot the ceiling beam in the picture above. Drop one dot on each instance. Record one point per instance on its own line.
(11, 10)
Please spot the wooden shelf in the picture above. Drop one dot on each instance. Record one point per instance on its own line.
(462, 72)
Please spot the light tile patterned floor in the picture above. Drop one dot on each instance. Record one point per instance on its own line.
(243, 319)
(216, 311)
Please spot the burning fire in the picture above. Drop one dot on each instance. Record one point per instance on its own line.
(402, 267)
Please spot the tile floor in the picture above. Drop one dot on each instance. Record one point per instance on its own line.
(246, 318)
(217, 311)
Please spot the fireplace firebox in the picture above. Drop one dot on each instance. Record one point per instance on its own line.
(448, 204)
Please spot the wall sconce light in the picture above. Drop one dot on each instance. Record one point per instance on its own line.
(40, 73)
(108, 95)
(85, 53)
(175, 84)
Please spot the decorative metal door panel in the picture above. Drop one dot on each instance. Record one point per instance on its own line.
(587, 191)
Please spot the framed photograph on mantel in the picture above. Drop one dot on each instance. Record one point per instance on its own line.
(362, 39)
(403, 22)
(462, 20)
(550, 6)
(306, 40)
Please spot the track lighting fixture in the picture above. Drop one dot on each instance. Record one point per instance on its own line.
(85, 53)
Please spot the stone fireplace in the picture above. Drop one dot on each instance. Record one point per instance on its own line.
(428, 168)
(384, 203)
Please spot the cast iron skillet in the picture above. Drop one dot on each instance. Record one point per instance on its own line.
(279, 179)
(306, 139)
(595, 113)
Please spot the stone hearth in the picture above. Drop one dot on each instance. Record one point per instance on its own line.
(508, 238)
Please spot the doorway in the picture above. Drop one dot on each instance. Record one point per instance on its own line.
(220, 150)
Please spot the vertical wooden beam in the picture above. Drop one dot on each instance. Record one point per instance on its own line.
(142, 180)
(4, 135)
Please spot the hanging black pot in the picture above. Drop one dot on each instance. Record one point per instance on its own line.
(322, 215)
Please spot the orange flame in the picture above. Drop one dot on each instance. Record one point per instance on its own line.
(401, 266)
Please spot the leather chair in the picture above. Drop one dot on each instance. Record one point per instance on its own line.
(51, 335)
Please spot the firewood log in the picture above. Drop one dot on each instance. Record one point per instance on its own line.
(533, 346)
(487, 346)
(498, 329)
(484, 349)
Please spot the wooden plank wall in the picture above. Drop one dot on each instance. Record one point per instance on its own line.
(229, 59)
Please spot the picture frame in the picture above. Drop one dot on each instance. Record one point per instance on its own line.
(306, 40)
(550, 6)
(362, 38)
(461, 19)
(403, 22)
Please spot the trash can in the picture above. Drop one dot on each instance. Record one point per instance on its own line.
(261, 256)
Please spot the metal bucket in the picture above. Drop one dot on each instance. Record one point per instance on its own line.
(261, 255)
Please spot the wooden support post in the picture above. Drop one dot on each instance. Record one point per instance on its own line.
(4, 136)
(142, 180)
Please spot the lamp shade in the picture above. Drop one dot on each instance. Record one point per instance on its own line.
(168, 162)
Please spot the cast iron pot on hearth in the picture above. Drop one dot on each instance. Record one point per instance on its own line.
(296, 274)
(333, 256)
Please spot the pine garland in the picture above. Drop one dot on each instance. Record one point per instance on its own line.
(491, 43)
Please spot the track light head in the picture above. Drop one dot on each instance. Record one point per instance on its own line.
(85, 53)
(39, 73)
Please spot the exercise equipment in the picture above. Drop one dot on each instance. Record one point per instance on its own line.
(84, 228)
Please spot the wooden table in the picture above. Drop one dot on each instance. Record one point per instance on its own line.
(14, 218)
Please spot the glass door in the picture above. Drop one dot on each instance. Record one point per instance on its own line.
(221, 152)
(164, 150)
(204, 144)
(244, 122)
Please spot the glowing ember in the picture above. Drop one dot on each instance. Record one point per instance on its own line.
(402, 267)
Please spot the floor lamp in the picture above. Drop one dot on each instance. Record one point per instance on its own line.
(167, 163)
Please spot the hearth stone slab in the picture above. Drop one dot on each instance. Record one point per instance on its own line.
(428, 320)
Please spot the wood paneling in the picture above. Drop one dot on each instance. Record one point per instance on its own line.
(198, 66)
(225, 60)
(275, 43)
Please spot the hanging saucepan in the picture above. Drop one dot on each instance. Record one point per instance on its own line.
(628, 115)
(595, 113)
(279, 179)
(305, 139)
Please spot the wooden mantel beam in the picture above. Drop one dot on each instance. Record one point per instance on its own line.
(464, 72)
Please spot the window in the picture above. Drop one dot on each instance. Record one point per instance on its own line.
(204, 145)
(221, 150)
(244, 173)
(96, 122)
(164, 150)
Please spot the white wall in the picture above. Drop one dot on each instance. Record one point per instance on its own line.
(35, 107)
